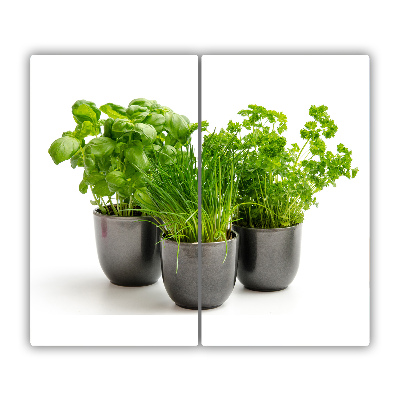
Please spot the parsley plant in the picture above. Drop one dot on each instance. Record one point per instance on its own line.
(279, 182)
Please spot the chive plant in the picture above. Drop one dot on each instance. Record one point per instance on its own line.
(171, 193)
(221, 158)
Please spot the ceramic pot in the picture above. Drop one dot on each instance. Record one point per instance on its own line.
(127, 249)
(218, 277)
(268, 258)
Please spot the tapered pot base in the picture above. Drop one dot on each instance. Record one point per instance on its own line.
(196, 308)
(266, 290)
(210, 308)
(146, 284)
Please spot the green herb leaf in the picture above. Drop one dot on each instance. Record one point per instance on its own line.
(92, 178)
(114, 110)
(83, 187)
(157, 120)
(85, 129)
(101, 147)
(177, 126)
(136, 155)
(137, 180)
(143, 103)
(63, 149)
(89, 162)
(116, 179)
(121, 127)
(147, 133)
(101, 189)
(167, 155)
(108, 123)
(83, 110)
(76, 160)
(142, 196)
(137, 113)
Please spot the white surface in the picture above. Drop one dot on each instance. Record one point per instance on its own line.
(78, 293)
(66, 278)
(281, 27)
(328, 302)
(113, 330)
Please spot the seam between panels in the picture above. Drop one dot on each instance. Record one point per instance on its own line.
(199, 139)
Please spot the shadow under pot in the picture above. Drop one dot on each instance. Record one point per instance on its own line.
(127, 249)
(218, 276)
(268, 258)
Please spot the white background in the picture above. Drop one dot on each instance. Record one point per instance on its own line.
(328, 302)
(67, 282)
(287, 27)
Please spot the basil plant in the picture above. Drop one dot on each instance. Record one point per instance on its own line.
(115, 152)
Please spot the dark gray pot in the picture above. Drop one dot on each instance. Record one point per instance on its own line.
(218, 277)
(268, 258)
(127, 249)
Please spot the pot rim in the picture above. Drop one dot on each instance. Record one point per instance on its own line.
(270, 229)
(97, 213)
(203, 244)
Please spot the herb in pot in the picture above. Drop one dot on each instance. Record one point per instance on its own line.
(278, 183)
(121, 150)
(172, 190)
(172, 196)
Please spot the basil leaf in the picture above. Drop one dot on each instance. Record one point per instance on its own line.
(63, 149)
(170, 140)
(102, 146)
(116, 179)
(167, 155)
(130, 170)
(84, 130)
(89, 163)
(103, 164)
(142, 197)
(186, 119)
(83, 110)
(147, 133)
(136, 155)
(77, 160)
(101, 189)
(137, 180)
(143, 103)
(92, 178)
(113, 110)
(120, 127)
(137, 113)
(117, 182)
(176, 125)
(125, 191)
(108, 127)
(83, 187)
(156, 120)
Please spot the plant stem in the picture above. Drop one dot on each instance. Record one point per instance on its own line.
(130, 204)
(112, 205)
(297, 159)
